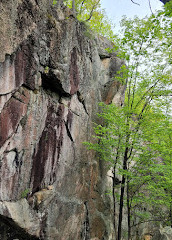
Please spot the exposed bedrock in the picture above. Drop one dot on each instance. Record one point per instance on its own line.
(52, 77)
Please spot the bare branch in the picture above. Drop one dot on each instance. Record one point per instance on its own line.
(150, 7)
(92, 10)
(82, 6)
(91, 13)
(135, 3)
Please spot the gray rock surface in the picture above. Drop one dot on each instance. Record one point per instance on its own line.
(163, 234)
(52, 75)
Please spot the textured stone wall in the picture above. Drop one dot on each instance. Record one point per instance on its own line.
(52, 75)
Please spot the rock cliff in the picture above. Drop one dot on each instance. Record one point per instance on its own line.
(53, 72)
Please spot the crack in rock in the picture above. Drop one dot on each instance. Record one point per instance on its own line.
(68, 132)
(82, 100)
(86, 229)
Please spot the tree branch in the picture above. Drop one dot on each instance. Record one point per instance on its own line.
(135, 3)
(91, 13)
(150, 7)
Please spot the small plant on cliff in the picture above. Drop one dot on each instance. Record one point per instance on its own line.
(54, 2)
(25, 193)
(46, 70)
(132, 138)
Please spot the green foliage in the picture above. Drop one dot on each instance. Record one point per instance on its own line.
(54, 2)
(46, 69)
(90, 12)
(136, 138)
(168, 9)
(25, 193)
(100, 24)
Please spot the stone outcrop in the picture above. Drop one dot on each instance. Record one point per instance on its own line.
(163, 233)
(52, 75)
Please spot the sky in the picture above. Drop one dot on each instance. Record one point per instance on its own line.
(115, 9)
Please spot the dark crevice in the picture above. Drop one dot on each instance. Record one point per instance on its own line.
(52, 83)
(16, 161)
(81, 100)
(104, 56)
(6, 94)
(13, 92)
(18, 99)
(72, 111)
(27, 87)
(68, 132)
(77, 114)
(9, 230)
(36, 1)
(86, 230)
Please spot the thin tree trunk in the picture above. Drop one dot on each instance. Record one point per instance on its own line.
(114, 202)
(121, 207)
(129, 212)
(113, 190)
(73, 8)
(171, 214)
(122, 193)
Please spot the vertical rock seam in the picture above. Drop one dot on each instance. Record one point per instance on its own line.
(86, 227)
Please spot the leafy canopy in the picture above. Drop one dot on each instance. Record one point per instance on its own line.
(136, 138)
(90, 12)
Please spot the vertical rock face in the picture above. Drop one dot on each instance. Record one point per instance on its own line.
(51, 78)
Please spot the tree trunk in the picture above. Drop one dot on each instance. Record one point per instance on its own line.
(129, 212)
(113, 190)
(114, 202)
(121, 208)
(73, 8)
(122, 194)
(171, 214)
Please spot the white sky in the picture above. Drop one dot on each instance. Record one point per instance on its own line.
(115, 9)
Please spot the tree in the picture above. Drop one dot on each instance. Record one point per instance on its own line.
(150, 185)
(92, 15)
(124, 139)
(83, 9)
